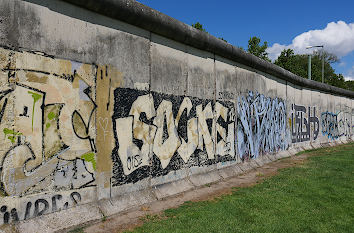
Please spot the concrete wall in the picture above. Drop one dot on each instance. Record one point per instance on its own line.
(98, 115)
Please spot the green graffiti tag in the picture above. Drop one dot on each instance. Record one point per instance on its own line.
(35, 97)
(90, 158)
(11, 132)
(51, 115)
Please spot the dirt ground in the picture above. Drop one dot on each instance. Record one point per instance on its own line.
(132, 218)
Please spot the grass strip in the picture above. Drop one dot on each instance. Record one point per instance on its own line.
(317, 196)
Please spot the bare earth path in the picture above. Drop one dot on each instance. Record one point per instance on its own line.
(133, 217)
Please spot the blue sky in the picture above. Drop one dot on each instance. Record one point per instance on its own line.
(278, 22)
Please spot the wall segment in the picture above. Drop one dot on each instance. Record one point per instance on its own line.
(99, 114)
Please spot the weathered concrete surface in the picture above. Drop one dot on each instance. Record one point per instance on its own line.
(62, 219)
(101, 112)
(143, 16)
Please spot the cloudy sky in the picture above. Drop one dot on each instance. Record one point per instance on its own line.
(283, 24)
(337, 38)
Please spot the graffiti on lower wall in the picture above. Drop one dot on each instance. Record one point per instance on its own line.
(336, 125)
(48, 144)
(47, 124)
(261, 125)
(38, 207)
(157, 133)
(302, 121)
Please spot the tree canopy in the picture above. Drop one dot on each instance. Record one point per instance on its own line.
(256, 49)
(298, 64)
(199, 26)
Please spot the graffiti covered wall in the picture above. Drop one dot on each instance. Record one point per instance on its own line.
(335, 125)
(302, 122)
(262, 125)
(117, 115)
(157, 133)
(47, 130)
(48, 122)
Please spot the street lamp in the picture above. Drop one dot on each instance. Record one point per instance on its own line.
(309, 62)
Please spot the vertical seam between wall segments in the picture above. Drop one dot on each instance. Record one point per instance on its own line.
(215, 135)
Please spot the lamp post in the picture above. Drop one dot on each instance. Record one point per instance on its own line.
(309, 67)
(309, 61)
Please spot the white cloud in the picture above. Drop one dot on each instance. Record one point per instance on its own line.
(337, 38)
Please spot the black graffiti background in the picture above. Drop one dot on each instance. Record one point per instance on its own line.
(124, 99)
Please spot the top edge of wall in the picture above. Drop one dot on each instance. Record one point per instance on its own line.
(142, 16)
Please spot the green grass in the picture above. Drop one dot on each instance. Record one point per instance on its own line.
(77, 230)
(317, 196)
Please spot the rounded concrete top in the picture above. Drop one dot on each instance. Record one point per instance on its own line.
(142, 16)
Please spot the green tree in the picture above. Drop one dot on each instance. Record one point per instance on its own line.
(329, 57)
(298, 64)
(256, 49)
(221, 38)
(199, 26)
(350, 85)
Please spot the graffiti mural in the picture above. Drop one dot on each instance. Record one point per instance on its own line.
(336, 125)
(300, 121)
(261, 125)
(39, 207)
(49, 143)
(156, 133)
(47, 124)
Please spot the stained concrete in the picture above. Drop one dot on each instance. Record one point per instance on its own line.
(81, 59)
